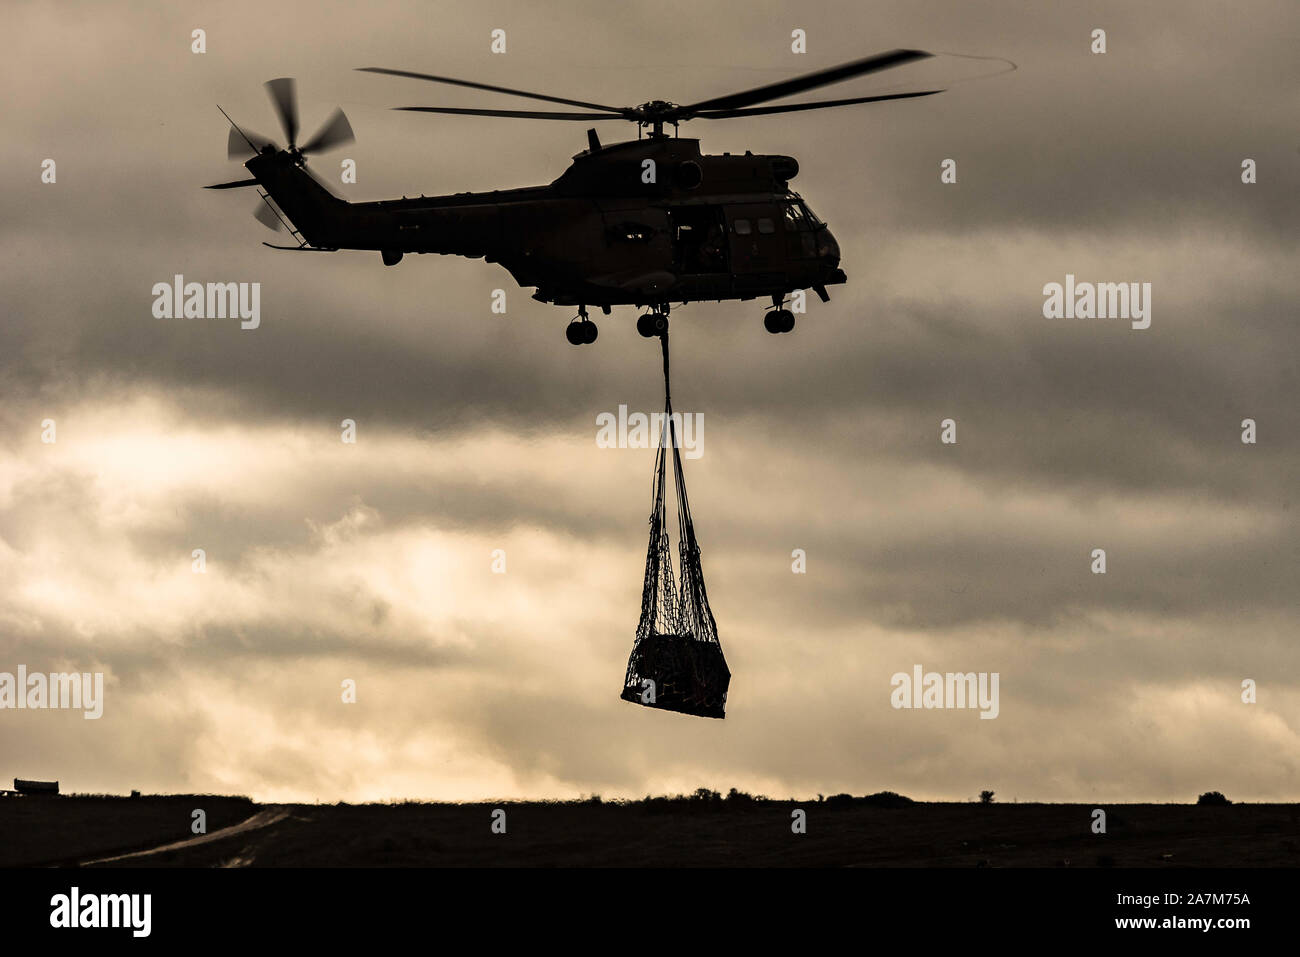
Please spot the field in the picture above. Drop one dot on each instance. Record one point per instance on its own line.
(681, 832)
(66, 830)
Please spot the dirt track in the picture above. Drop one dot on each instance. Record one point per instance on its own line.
(263, 818)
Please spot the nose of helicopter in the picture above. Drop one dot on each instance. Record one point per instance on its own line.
(828, 250)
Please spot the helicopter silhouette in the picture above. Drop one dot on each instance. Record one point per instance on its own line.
(647, 223)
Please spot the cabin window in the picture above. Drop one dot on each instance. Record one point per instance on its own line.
(742, 227)
(766, 226)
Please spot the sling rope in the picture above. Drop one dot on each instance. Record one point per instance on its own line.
(677, 662)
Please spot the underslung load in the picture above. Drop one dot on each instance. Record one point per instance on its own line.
(676, 662)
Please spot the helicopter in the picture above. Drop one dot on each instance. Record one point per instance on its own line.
(647, 223)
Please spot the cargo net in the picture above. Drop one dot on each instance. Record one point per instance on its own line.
(676, 662)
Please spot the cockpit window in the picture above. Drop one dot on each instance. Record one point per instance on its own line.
(794, 218)
(812, 217)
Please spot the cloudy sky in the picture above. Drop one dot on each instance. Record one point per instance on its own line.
(475, 432)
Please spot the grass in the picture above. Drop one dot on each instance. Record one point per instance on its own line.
(66, 829)
(702, 829)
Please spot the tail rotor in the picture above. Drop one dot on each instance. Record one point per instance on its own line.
(244, 144)
(284, 97)
(337, 131)
(266, 216)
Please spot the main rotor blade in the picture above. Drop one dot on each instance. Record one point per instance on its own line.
(517, 114)
(284, 95)
(816, 105)
(494, 89)
(237, 145)
(809, 81)
(336, 131)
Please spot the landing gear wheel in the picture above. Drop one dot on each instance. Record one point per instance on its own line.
(658, 323)
(645, 325)
(581, 332)
(778, 320)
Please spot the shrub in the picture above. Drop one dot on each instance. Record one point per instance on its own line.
(887, 799)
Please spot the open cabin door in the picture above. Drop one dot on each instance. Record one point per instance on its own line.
(700, 245)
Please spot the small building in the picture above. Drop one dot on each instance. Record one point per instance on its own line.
(36, 787)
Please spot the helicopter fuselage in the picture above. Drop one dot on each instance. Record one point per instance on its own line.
(645, 222)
